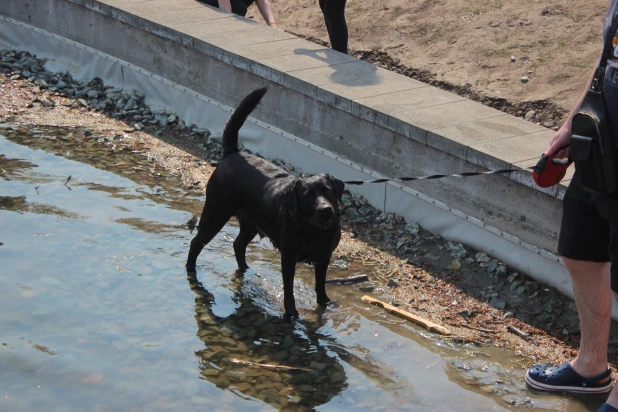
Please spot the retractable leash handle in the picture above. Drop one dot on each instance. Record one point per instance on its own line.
(549, 171)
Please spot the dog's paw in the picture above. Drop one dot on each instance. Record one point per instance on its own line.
(332, 304)
(329, 304)
(291, 315)
(324, 300)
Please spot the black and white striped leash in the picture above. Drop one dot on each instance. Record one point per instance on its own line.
(430, 177)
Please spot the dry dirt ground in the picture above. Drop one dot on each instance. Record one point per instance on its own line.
(477, 48)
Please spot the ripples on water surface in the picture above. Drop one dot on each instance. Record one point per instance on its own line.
(98, 314)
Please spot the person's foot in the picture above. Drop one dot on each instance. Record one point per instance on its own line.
(564, 378)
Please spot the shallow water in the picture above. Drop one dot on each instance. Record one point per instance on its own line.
(98, 314)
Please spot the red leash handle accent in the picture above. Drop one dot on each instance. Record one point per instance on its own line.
(549, 171)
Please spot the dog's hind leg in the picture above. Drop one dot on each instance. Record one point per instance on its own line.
(211, 223)
(246, 235)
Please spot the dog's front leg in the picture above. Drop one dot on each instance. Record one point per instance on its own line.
(288, 269)
(320, 282)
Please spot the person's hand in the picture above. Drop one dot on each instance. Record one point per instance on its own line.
(560, 142)
(273, 24)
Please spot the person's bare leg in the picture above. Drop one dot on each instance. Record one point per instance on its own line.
(593, 297)
(613, 395)
(613, 398)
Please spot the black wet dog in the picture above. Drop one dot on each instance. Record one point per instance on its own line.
(299, 215)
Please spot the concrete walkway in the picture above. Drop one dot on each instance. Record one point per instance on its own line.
(454, 124)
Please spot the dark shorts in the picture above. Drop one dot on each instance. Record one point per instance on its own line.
(238, 6)
(589, 229)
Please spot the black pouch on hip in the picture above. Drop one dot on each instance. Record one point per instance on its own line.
(593, 146)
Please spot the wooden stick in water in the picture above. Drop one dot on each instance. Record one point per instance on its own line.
(345, 281)
(269, 366)
(434, 327)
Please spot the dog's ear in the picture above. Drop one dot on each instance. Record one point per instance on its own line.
(338, 186)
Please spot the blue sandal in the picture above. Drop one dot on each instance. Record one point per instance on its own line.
(564, 379)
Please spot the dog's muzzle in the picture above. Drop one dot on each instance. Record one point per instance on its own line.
(325, 216)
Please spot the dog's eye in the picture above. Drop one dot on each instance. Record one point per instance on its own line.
(307, 196)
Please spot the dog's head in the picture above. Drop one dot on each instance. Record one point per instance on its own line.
(315, 200)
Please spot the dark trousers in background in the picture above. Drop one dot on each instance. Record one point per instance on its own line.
(334, 17)
(238, 6)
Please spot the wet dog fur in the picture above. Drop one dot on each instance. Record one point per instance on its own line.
(300, 215)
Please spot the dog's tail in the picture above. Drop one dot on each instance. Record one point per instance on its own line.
(237, 119)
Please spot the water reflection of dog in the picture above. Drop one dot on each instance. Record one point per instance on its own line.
(264, 357)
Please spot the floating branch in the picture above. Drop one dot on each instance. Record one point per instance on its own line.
(434, 327)
(345, 281)
(269, 366)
